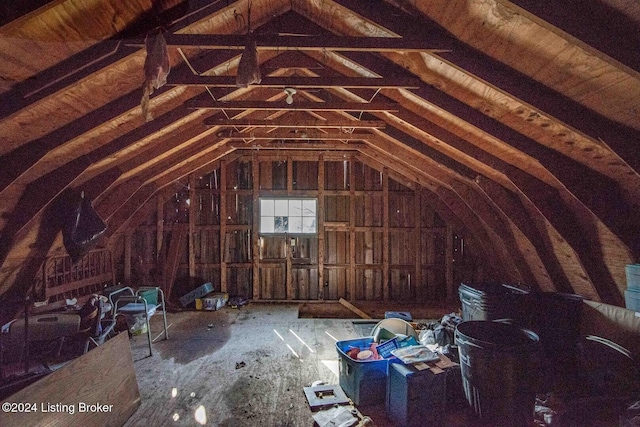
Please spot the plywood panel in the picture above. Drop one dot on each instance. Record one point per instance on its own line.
(104, 375)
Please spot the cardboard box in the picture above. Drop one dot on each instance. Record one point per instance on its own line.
(198, 292)
(212, 301)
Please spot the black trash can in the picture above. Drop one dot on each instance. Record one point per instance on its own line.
(500, 365)
(556, 319)
(493, 301)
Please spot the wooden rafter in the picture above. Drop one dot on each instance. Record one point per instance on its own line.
(297, 135)
(302, 42)
(295, 123)
(295, 106)
(185, 79)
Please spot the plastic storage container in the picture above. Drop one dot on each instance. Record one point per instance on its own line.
(491, 301)
(415, 398)
(404, 315)
(633, 276)
(632, 299)
(556, 320)
(499, 364)
(365, 382)
(198, 292)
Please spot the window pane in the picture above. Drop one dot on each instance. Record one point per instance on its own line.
(282, 224)
(309, 225)
(295, 207)
(281, 207)
(267, 224)
(295, 224)
(309, 208)
(266, 207)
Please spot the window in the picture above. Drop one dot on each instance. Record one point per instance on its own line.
(295, 216)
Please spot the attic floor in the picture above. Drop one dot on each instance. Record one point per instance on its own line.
(201, 366)
(243, 367)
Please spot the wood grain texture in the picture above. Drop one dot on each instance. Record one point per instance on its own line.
(104, 376)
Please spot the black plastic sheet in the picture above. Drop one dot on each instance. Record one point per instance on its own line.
(82, 228)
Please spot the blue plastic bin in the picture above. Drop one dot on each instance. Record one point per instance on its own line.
(632, 299)
(365, 382)
(404, 315)
(415, 398)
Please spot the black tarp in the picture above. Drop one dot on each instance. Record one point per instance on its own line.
(82, 228)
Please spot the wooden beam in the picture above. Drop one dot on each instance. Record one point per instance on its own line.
(295, 123)
(223, 225)
(292, 42)
(340, 106)
(192, 228)
(385, 234)
(255, 227)
(353, 308)
(321, 229)
(296, 135)
(352, 229)
(190, 79)
(299, 146)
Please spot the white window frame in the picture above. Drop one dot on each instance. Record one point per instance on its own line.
(288, 215)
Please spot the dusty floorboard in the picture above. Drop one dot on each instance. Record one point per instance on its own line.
(199, 363)
(282, 353)
(245, 367)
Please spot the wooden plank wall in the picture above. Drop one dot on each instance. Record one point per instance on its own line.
(377, 239)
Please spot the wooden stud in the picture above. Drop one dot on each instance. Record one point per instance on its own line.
(127, 258)
(160, 200)
(223, 226)
(192, 227)
(255, 227)
(448, 263)
(352, 229)
(385, 234)
(321, 229)
(353, 308)
(418, 285)
(289, 268)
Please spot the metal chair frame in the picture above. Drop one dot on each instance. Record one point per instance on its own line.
(122, 301)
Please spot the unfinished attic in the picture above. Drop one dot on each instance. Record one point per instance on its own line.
(333, 159)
